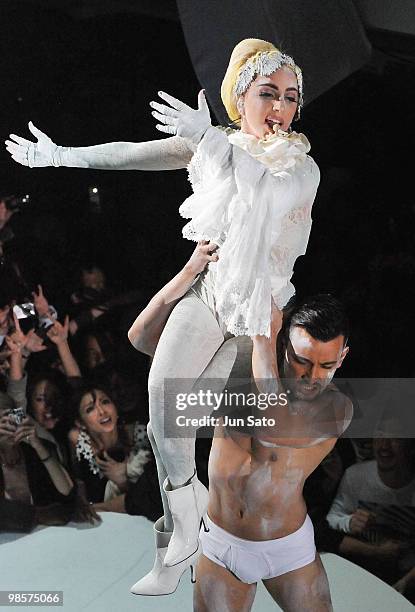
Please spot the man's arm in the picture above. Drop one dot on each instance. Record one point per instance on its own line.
(146, 330)
(343, 506)
(264, 355)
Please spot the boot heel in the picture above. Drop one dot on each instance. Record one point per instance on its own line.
(192, 575)
(204, 523)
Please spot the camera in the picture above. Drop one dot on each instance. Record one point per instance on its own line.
(17, 415)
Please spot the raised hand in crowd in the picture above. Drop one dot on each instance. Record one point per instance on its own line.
(40, 302)
(34, 343)
(26, 432)
(16, 342)
(58, 334)
(16, 339)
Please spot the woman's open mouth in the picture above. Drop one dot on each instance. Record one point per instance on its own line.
(273, 123)
(105, 421)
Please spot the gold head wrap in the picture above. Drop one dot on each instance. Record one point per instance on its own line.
(253, 56)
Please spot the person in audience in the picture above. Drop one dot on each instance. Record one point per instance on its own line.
(375, 506)
(110, 457)
(30, 472)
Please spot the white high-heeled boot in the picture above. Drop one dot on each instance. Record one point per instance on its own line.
(163, 580)
(188, 505)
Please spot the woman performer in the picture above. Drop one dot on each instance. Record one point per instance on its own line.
(253, 192)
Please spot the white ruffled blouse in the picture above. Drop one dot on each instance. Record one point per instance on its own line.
(253, 198)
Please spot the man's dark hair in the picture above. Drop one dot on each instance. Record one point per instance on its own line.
(323, 316)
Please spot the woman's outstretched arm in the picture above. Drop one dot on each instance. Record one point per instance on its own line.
(146, 330)
(165, 154)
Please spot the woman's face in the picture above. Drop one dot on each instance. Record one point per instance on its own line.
(97, 412)
(93, 353)
(261, 107)
(43, 397)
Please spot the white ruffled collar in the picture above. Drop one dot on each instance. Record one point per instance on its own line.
(277, 151)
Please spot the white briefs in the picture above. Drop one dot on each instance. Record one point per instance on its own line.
(250, 560)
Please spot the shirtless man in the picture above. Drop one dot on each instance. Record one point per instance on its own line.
(259, 528)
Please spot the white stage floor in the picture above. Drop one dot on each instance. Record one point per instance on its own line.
(95, 567)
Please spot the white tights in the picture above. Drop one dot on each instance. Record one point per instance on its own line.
(190, 340)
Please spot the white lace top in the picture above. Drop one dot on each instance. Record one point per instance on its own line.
(253, 198)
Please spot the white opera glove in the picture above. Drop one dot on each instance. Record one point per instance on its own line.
(180, 119)
(38, 154)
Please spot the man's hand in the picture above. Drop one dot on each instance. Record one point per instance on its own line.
(113, 470)
(361, 520)
(34, 343)
(26, 432)
(33, 154)
(7, 426)
(58, 333)
(40, 302)
(203, 254)
(16, 340)
(85, 513)
(180, 119)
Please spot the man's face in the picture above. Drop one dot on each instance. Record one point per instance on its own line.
(391, 454)
(309, 364)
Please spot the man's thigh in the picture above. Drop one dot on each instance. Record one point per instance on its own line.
(218, 590)
(302, 590)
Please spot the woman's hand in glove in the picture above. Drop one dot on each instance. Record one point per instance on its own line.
(33, 154)
(180, 119)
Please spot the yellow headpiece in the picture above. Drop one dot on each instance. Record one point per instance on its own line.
(250, 57)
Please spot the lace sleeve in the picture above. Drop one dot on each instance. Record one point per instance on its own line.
(164, 154)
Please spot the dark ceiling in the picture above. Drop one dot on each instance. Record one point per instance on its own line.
(85, 9)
